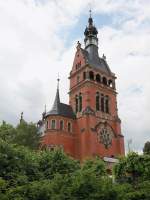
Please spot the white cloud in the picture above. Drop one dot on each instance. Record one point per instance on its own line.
(32, 52)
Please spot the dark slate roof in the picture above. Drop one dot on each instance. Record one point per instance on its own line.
(60, 108)
(92, 58)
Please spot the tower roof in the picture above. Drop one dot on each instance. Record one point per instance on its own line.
(90, 29)
(91, 48)
(59, 108)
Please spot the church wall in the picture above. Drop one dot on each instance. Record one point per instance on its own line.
(61, 138)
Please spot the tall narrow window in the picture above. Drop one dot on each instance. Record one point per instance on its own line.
(61, 124)
(104, 81)
(102, 102)
(97, 101)
(107, 104)
(80, 102)
(77, 103)
(110, 83)
(69, 127)
(98, 78)
(53, 124)
(91, 75)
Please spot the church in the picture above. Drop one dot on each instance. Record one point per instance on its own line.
(89, 125)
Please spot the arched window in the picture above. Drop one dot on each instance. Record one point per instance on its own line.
(91, 75)
(76, 103)
(80, 102)
(84, 75)
(61, 124)
(102, 102)
(106, 104)
(110, 83)
(104, 81)
(69, 127)
(53, 124)
(97, 101)
(98, 78)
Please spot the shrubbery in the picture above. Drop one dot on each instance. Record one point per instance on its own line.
(27, 173)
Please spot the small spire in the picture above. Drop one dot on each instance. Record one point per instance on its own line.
(45, 108)
(90, 11)
(57, 99)
(58, 79)
(78, 45)
(90, 18)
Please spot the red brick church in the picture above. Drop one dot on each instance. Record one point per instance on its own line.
(89, 125)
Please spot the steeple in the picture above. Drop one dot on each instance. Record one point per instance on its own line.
(91, 47)
(90, 33)
(56, 104)
(59, 108)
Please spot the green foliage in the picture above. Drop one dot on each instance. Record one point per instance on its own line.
(56, 162)
(25, 134)
(26, 174)
(146, 149)
(133, 168)
(7, 132)
(95, 166)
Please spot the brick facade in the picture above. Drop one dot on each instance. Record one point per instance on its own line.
(89, 126)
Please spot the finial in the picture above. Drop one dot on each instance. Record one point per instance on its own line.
(104, 57)
(58, 79)
(90, 18)
(78, 45)
(90, 11)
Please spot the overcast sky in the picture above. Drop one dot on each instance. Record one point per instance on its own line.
(38, 39)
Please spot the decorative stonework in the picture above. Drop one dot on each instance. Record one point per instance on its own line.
(105, 134)
(88, 111)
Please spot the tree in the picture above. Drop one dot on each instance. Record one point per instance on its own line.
(146, 149)
(27, 135)
(95, 166)
(133, 168)
(56, 161)
(7, 132)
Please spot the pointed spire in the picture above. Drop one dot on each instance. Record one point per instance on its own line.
(90, 11)
(57, 98)
(90, 18)
(58, 79)
(90, 29)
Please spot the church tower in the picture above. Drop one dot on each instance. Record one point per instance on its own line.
(89, 126)
(93, 99)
